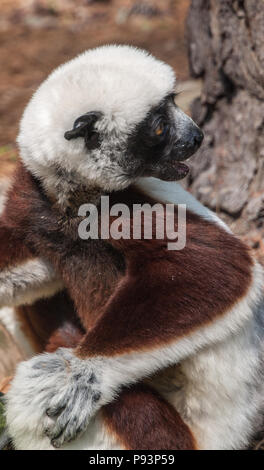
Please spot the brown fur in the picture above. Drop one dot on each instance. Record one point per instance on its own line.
(174, 292)
(90, 270)
(12, 247)
(142, 420)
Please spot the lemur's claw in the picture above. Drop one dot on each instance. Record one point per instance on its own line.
(65, 391)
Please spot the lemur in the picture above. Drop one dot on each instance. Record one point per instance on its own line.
(148, 348)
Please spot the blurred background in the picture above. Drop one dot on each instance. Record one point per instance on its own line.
(217, 50)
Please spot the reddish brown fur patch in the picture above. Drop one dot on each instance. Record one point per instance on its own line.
(12, 249)
(142, 420)
(89, 269)
(166, 295)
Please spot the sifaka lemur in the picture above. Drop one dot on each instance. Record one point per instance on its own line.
(147, 348)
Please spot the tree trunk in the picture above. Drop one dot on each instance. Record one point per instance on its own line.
(226, 49)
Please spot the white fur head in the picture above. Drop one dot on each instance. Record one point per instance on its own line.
(120, 83)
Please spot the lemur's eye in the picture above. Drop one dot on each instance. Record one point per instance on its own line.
(160, 129)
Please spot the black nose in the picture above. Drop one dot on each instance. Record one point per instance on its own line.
(197, 137)
(189, 142)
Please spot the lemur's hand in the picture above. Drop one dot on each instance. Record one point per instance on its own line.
(62, 389)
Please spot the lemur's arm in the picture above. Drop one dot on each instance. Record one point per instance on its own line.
(24, 278)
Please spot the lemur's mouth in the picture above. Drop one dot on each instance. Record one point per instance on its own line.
(181, 168)
(171, 167)
(173, 171)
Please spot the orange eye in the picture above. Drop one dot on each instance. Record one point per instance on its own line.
(160, 129)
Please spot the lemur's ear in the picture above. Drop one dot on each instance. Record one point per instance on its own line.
(84, 127)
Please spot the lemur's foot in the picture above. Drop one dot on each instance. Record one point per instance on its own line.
(63, 389)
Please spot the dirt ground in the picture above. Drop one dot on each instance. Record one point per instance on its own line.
(37, 36)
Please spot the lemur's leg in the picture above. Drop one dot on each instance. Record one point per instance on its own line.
(142, 420)
(50, 323)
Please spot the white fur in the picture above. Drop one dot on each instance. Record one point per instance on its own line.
(170, 192)
(122, 82)
(33, 392)
(25, 431)
(221, 402)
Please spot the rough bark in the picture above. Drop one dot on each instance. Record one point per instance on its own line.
(226, 49)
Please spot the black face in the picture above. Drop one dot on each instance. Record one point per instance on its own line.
(162, 142)
(157, 147)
